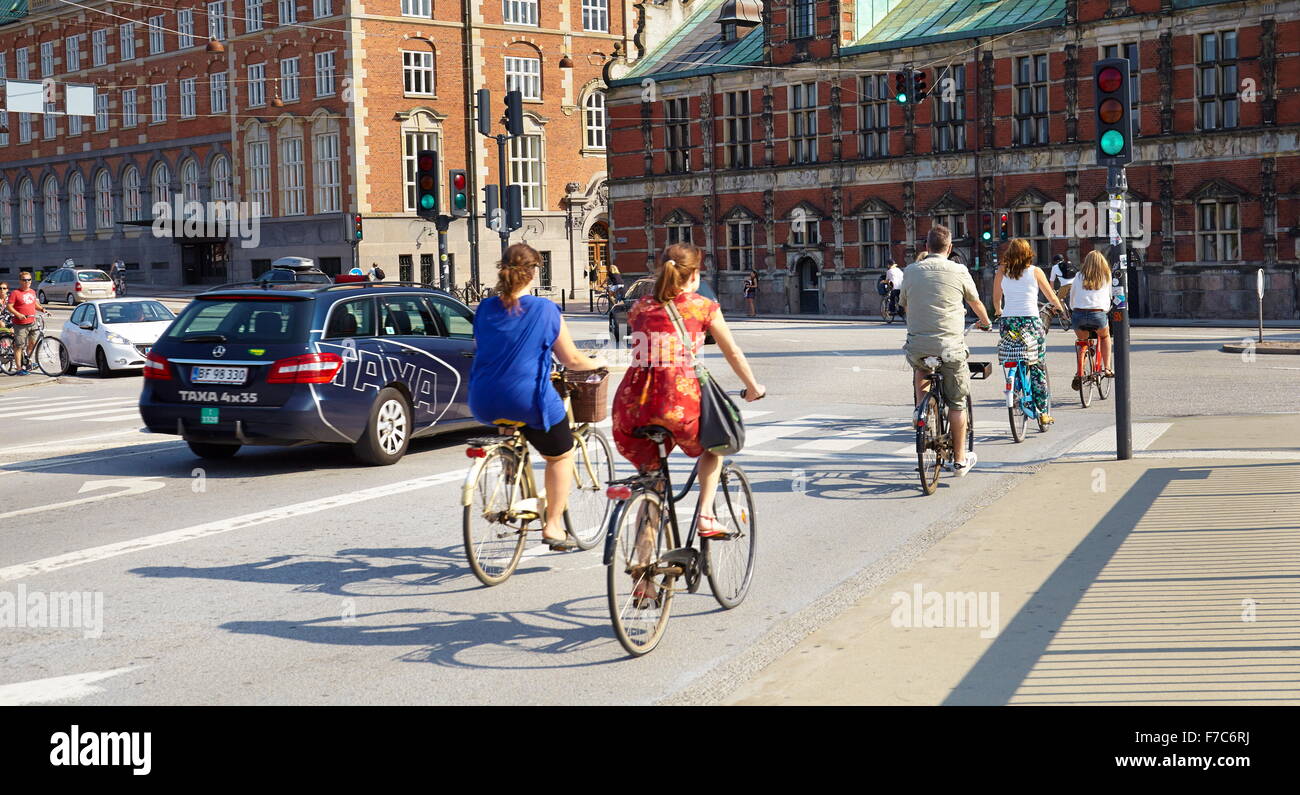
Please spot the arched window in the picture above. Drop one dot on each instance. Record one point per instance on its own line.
(190, 180)
(77, 203)
(26, 207)
(103, 200)
(6, 212)
(293, 184)
(258, 157)
(222, 190)
(593, 119)
(50, 191)
(160, 184)
(131, 194)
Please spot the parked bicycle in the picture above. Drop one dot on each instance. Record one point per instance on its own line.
(645, 557)
(502, 503)
(1090, 375)
(935, 447)
(49, 353)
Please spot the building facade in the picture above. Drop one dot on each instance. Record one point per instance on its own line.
(313, 110)
(769, 134)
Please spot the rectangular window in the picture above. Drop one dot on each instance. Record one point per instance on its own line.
(1031, 100)
(677, 135)
(805, 230)
(189, 107)
(740, 245)
(1129, 51)
(595, 15)
(293, 191)
(873, 116)
(956, 223)
(254, 15)
(526, 169)
(259, 175)
(288, 13)
(47, 58)
(736, 126)
(101, 112)
(326, 160)
(1218, 231)
(4, 69)
(72, 54)
(804, 17)
(417, 8)
(22, 64)
(417, 73)
(949, 109)
(414, 142)
(51, 119)
(129, 107)
(679, 233)
(325, 74)
(217, 20)
(1217, 83)
(1028, 224)
(803, 123)
(74, 125)
(875, 241)
(321, 9)
(99, 47)
(520, 12)
(289, 79)
(4, 131)
(257, 85)
(126, 41)
(24, 127)
(158, 103)
(524, 75)
(217, 92)
(185, 27)
(156, 42)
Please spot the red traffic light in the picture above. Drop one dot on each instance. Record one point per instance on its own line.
(458, 180)
(426, 163)
(1109, 79)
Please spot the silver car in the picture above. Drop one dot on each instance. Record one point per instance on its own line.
(73, 286)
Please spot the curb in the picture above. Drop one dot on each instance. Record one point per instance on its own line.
(1292, 348)
(25, 384)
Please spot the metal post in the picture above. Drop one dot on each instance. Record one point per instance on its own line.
(1117, 185)
(443, 222)
(503, 180)
(1259, 290)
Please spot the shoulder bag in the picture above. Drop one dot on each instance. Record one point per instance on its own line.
(722, 430)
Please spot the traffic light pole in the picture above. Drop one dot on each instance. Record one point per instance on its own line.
(1117, 186)
(504, 231)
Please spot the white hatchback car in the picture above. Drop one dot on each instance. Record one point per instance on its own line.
(114, 334)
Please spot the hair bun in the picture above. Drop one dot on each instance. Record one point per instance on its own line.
(672, 262)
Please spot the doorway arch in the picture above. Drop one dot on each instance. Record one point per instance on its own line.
(598, 254)
(810, 290)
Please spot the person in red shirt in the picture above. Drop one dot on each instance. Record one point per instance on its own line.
(24, 306)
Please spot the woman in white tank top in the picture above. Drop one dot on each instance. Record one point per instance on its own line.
(1016, 288)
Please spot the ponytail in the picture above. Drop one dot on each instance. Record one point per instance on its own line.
(680, 263)
(516, 271)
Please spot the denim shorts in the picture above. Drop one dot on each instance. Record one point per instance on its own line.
(1088, 319)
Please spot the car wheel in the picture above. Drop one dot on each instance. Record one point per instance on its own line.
(70, 370)
(213, 451)
(101, 364)
(69, 300)
(388, 433)
(41, 296)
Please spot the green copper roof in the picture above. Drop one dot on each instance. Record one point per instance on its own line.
(696, 47)
(12, 10)
(938, 20)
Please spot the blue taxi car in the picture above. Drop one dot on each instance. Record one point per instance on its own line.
(365, 364)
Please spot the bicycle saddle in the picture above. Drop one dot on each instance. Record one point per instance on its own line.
(655, 433)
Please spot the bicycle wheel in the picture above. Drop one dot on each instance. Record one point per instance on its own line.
(8, 365)
(929, 456)
(493, 548)
(970, 424)
(885, 314)
(1086, 383)
(593, 463)
(730, 558)
(603, 304)
(1016, 406)
(51, 356)
(639, 619)
(1103, 386)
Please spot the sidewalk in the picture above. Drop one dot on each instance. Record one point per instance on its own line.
(1170, 578)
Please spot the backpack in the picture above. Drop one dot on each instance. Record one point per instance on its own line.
(1068, 271)
(379, 274)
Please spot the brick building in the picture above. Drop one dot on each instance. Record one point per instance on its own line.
(768, 133)
(312, 108)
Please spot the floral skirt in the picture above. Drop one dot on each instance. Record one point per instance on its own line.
(1016, 328)
(667, 396)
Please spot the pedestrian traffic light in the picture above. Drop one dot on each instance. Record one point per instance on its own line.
(483, 108)
(356, 227)
(1113, 113)
(1004, 227)
(459, 196)
(514, 112)
(986, 227)
(514, 207)
(902, 89)
(426, 184)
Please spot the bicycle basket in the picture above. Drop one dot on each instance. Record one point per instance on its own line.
(589, 392)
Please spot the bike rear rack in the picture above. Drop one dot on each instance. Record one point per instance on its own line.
(980, 370)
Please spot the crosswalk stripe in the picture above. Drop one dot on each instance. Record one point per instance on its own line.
(135, 415)
(46, 411)
(771, 431)
(101, 410)
(37, 401)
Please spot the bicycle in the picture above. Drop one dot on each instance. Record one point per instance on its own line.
(605, 300)
(119, 286)
(49, 353)
(1019, 389)
(501, 500)
(934, 443)
(889, 313)
(640, 585)
(1089, 376)
(1046, 313)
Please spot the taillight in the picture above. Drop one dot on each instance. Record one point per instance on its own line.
(157, 368)
(78, 287)
(310, 368)
(476, 452)
(1011, 365)
(619, 492)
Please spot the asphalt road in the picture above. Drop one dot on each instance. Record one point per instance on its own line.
(296, 576)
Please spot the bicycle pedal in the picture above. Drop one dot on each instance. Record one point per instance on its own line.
(685, 557)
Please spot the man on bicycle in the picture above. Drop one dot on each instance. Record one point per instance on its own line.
(1062, 276)
(932, 293)
(24, 306)
(895, 278)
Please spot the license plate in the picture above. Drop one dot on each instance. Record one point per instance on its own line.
(219, 375)
(209, 416)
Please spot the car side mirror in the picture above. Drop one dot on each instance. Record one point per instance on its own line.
(88, 326)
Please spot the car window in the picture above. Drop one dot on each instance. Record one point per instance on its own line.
(135, 312)
(249, 321)
(93, 276)
(641, 289)
(406, 315)
(456, 319)
(82, 315)
(352, 319)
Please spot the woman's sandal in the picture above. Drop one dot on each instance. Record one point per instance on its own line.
(566, 544)
(645, 594)
(713, 530)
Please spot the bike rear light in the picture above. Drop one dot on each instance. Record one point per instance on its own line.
(1010, 365)
(310, 368)
(618, 492)
(157, 368)
(475, 452)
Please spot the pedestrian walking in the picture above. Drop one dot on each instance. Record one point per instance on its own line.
(751, 291)
(1016, 287)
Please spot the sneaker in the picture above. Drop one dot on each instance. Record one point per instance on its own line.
(1075, 384)
(964, 468)
(21, 372)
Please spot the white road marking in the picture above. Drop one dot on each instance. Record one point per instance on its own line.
(14, 400)
(97, 412)
(135, 415)
(58, 412)
(759, 434)
(194, 532)
(1103, 441)
(71, 444)
(125, 486)
(57, 688)
(848, 439)
(15, 467)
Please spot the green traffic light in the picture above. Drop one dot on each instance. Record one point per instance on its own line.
(902, 99)
(426, 202)
(1112, 142)
(459, 199)
(988, 235)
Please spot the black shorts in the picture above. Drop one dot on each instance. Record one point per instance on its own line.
(554, 441)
